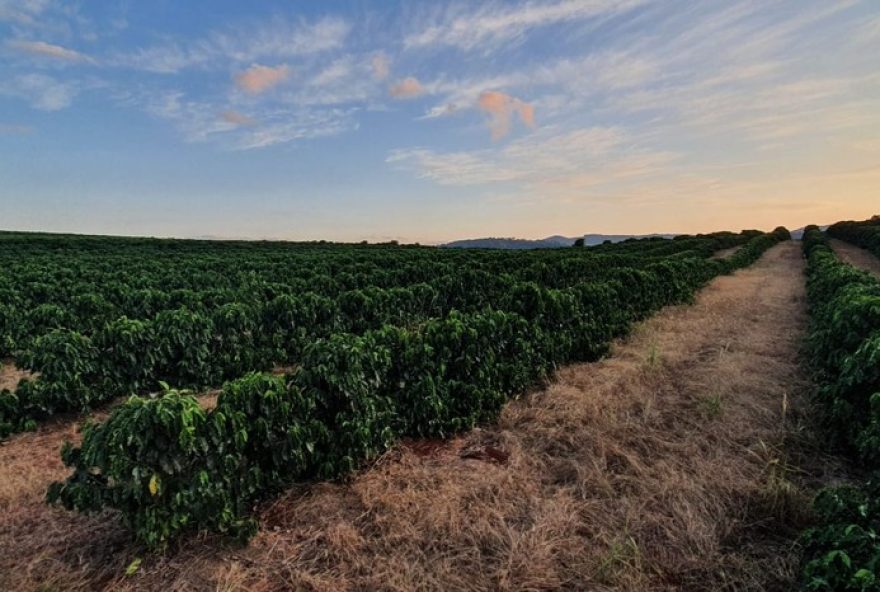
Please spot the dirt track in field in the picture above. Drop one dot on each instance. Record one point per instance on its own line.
(677, 463)
(726, 253)
(856, 256)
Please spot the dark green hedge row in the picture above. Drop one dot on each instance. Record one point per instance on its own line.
(754, 248)
(865, 234)
(215, 334)
(844, 346)
(842, 553)
(80, 284)
(168, 466)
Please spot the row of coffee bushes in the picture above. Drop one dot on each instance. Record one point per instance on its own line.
(195, 350)
(169, 466)
(865, 234)
(212, 337)
(81, 288)
(754, 248)
(842, 552)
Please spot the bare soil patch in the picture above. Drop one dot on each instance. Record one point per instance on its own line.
(10, 375)
(680, 462)
(856, 256)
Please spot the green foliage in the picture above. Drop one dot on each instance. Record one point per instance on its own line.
(345, 377)
(752, 250)
(842, 552)
(235, 346)
(68, 362)
(385, 342)
(350, 397)
(865, 234)
(844, 347)
(182, 341)
(164, 463)
(214, 311)
(128, 356)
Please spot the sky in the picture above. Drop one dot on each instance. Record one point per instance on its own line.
(433, 121)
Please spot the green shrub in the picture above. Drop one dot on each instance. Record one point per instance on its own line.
(842, 554)
(164, 463)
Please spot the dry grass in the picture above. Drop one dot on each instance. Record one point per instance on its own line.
(856, 256)
(41, 548)
(726, 253)
(678, 463)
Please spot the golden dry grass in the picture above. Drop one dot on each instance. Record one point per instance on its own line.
(856, 256)
(681, 462)
(726, 253)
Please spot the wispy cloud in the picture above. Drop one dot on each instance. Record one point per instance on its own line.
(246, 42)
(568, 83)
(237, 119)
(408, 88)
(869, 32)
(335, 72)
(258, 79)
(490, 24)
(546, 157)
(48, 50)
(41, 91)
(198, 121)
(23, 12)
(7, 129)
(380, 64)
(303, 124)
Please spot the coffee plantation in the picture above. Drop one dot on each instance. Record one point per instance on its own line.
(379, 342)
(842, 552)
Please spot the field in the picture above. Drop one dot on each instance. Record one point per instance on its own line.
(655, 414)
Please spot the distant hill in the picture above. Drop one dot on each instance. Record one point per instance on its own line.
(551, 242)
(798, 233)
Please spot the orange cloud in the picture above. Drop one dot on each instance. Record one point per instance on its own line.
(407, 88)
(258, 79)
(381, 66)
(501, 108)
(527, 114)
(236, 118)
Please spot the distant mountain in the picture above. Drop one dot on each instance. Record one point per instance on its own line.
(598, 239)
(551, 242)
(798, 233)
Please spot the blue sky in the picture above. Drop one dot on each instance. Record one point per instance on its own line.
(430, 121)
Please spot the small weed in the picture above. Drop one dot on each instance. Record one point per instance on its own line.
(654, 357)
(133, 567)
(623, 555)
(711, 406)
(780, 497)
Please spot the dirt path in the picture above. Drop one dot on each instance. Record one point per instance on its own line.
(726, 253)
(658, 468)
(856, 256)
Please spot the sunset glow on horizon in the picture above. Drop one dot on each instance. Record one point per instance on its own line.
(435, 121)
